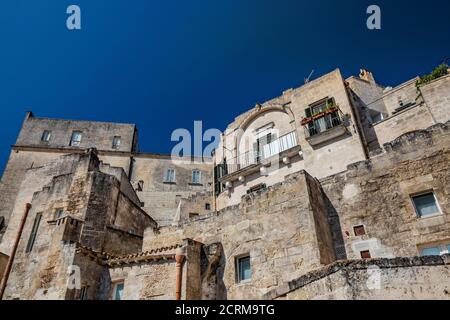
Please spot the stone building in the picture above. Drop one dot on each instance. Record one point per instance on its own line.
(338, 189)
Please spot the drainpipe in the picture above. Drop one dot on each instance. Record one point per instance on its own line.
(179, 259)
(13, 252)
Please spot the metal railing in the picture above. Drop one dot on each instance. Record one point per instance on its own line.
(286, 142)
(322, 124)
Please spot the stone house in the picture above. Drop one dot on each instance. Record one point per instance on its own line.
(338, 189)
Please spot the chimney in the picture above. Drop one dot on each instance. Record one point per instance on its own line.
(366, 75)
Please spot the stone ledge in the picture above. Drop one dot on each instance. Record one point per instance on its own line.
(350, 265)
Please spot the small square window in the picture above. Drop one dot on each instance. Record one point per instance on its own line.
(46, 135)
(207, 206)
(75, 140)
(426, 204)
(170, 176)
(118, 291)
(365, 254)
(116, 142)
(244, 271)
(359, 230)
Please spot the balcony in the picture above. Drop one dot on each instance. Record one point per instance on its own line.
(251, 161)
(324, 127)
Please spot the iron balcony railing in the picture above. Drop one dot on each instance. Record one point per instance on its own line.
(322, 124)
(286, 142)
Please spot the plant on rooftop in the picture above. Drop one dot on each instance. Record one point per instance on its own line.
(438, 72)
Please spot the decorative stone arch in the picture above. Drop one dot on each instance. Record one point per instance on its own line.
(253, 115)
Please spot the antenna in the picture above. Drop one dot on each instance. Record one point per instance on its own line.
(309, 77)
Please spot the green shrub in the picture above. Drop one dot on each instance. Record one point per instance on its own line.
(440, 71)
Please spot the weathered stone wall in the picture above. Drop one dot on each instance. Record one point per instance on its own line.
(147, 281)
(196, 204)
(3, 261)
(432, 105)
(403, 94)
(377, 195)
(30, 152)
(161, 199)
(279, 228)
(436, 95)
(366, 96)
(97, 135)
(377, 279)
(414, 118)
(97, 215)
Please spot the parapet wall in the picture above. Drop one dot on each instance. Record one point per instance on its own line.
(377, 194)
(375, 279)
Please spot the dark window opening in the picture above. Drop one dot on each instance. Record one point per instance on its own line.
(33, 234)
(46, 135)
(425, 204)
(365, 254)
(359, 230)
(243, 269)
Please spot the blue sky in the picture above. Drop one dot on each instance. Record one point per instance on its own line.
(164, 64)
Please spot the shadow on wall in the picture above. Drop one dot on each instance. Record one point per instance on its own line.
(336, 230)
(212, 270)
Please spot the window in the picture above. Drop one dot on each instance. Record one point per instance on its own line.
(140, 185)
(207, 206)
(116, 142)
(83, 293)
(365, 254)
(435, 250)
(359, 230)
(118, 291)
(193, 214)
(244, 271)
(59, 213)
(170, 176)
(196, 176)
(46, 135)
(426, 204)
(33, 234)
(75, 141)
(259, 146)
(323, 116)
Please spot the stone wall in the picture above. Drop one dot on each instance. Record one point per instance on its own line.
(97, 135)
(3, 261)
(279, 228)
(414, 118)
(160, 198)
(436, 95)
(377, 194)
(429, 105)
(376, 279)
(96, 214)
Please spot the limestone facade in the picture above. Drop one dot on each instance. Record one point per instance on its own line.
(311, 195)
